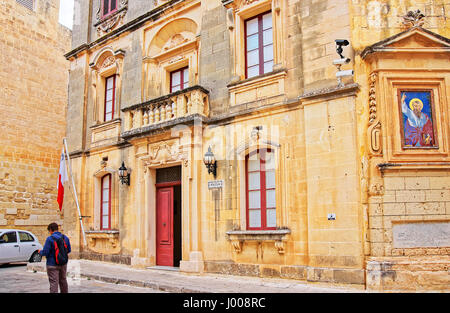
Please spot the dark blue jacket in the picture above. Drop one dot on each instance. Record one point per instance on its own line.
(49, 248)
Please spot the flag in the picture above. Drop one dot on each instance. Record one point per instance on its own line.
(62, 178)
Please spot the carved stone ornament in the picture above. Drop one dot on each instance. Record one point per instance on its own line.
(176, 40)
(108, 23)
(108, 62)
(374, 130)
(376, 189)
(237, 245)
(413, 19)
(279, 245)
(164, 153)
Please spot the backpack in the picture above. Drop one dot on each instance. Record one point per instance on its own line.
(61, 255)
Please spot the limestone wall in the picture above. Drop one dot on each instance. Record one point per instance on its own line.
(410, 198)
(34, 76)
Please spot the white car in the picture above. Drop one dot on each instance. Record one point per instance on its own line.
(18, 246)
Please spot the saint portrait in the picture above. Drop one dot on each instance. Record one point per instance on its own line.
(418, 128)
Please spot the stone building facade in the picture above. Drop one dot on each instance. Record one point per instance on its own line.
(313, 178)
(33, 99)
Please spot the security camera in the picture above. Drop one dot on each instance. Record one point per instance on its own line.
(342, 42)
(339, 44)
(341, 61)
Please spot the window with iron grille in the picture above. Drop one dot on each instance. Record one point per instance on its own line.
(168, 174)
(27, 3)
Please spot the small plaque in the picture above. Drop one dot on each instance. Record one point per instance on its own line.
(421, 235)
(215, 184)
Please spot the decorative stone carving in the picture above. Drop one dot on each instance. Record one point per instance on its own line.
(103, 241)
(374, 130)
(237, 245)
(176, 40)
(163, 153)
(376, 190)
(108, 62)
(413, 19)
(279, 245)
(279, 236)
(108, 23)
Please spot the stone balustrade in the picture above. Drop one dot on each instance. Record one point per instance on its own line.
(189, 101)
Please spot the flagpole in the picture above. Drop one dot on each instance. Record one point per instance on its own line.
(75, 191)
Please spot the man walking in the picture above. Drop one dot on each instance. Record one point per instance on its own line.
(56, 269)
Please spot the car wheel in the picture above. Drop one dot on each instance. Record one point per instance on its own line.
(36, 257)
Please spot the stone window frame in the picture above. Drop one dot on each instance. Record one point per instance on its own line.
(392, 82)
(241, 154)
(102, 201)
(106, 63)
(263, 189)
(261, 54)
(97, 198)
(113, 98)
(240, 12)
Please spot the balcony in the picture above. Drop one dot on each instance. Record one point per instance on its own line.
(177, 107)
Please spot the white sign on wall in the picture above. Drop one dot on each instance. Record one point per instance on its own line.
(215, 184)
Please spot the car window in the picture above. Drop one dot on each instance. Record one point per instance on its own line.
(25, 237)
(9, 237)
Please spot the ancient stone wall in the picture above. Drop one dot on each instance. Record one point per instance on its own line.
(34, 76)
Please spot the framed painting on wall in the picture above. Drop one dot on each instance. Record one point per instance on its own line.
(418, 122)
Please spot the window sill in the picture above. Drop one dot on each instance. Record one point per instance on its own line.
(238, 237)
(257, 78)
(103, 240)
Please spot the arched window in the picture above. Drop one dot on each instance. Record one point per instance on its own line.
(105, 209)
(260, 190)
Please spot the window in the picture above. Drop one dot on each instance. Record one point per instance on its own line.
(9, 237)
(258, 45)
(179, 79)
(25, 237)
(260, 190)
(109, 6)
(110, 91)
(105, 216)
(26, 3)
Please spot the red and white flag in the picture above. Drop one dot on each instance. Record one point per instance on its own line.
(62, 178)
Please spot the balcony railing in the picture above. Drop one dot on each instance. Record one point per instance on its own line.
(183, 103)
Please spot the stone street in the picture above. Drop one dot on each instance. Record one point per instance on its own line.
(85, 276)
(14, 278)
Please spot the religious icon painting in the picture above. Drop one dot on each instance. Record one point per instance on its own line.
(418, 124)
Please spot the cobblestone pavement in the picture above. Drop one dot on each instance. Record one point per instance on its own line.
(14, 278)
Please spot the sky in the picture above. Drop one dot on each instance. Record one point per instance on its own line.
(66, 13)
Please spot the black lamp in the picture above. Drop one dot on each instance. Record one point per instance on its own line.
(210, 162)
(124, 176)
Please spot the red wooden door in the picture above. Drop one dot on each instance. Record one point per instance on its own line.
(164, 226)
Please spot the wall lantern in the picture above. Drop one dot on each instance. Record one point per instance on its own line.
(210, 162)
(124, 176)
